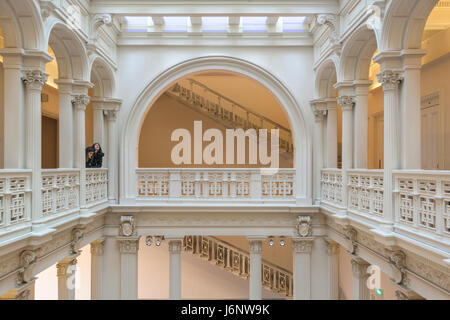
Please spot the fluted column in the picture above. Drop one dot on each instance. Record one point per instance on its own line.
(255, 268)
(66, 273)
(97, 269)
(332, 142)
(390, 81)
(65, 123)
(361, 123)
(411, 121)
(319, 109)
(14, 109)
(129, 247)
(111, 116)
(359, 279)
(175, 269)
(302, 248)
(34, 81)
(333, 269)
(80, 103)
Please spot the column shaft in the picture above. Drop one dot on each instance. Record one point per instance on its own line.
(319, 113)
(111, 273)
(331, 134)
(65, 124)
(129, 247)
(175, 269)
(359, 280)
(333, 270)
(361, 124)
(66, 272)
(96, 269)
(112, 155)
(302, 268)
(255, 269)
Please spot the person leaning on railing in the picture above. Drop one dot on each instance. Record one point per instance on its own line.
(90, 157)
(98, 155)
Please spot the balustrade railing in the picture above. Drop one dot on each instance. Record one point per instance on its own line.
(96, 186)
(60, 191)
(366, 191)
(332, 187)
(15, 197)
(222, 108)
(215, 184)
(422, 200)
(237, 261)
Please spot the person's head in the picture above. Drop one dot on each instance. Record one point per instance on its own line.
(90, 152)
(96, 147)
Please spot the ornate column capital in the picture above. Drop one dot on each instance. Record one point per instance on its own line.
(111, 115)
(97, 247)
(128, 245)
(359, 268)
(346, 102)
(390, 79)
(81, 101)
(64, 265)
(34, 79)
(302, 245)
(332, 247)
(175, 245)
(255, 245)
(319, 109)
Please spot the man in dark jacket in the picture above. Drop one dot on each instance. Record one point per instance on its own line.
(89, 157)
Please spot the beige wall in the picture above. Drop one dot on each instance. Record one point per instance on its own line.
(49, 143)
(2, 118)
(155, 144)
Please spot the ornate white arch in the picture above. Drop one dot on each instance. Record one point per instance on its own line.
(69, 49)
(326, 77)
(131, 128)
(403, 24)
(102, 76)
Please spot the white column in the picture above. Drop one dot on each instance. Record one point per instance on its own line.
(175, 269)
(319, 109)
(255, 268)
(112, 154)
(99, 122)
(97, 269)
(359, 279)
(111, 269)
(66, 278)
(65, 123)
(410, 110)
(333, 269)
(80, 103)
(129, 247)
(332, 134)
(34, 81)
(361, 123)
(390, 80)
(14, 110)
(302, 267)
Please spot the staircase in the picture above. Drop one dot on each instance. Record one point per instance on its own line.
(230, 114)
(237, 261)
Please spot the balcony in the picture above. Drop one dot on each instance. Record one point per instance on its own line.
(228, 186)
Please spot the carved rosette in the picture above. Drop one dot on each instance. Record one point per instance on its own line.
(359, 268)
(34, 79)
(130, 246)
(81, 101)
(346, 102)
(127, 226)
(302, 246)
(304, 228)
(390, 79)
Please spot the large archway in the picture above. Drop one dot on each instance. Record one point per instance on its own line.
(131, 128)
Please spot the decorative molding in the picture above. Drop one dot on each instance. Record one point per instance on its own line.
(430, 100)
(351, 235)
(34, 79)
(397, 259)
(346, 102)
(390, 79)
(127, 226)
(77, 236)
(304, 227)
(81, 101)
(255, 246)
(97, 247)
(175, 246)
(359, 268)
(27, 260)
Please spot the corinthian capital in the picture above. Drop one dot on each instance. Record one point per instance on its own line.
(390, 79)
(302, 246)
(346, 102)
(81, 101)
(34, 79)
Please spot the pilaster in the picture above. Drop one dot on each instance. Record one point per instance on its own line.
(97, 248)
(175, 245)
(255, 267)
(66, 273)
(302, 247)
(359, 279)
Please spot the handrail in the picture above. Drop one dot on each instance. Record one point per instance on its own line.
(240, 106)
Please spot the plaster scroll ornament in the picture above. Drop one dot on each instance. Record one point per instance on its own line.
(127, 226)
(77, 235)
(27, 260)
(397, 260)
(350, 234)
(304, 228)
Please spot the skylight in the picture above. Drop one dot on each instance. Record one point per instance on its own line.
(137, 24)
(214, 24)
(254, 24)
(176, 24)
(293, 24)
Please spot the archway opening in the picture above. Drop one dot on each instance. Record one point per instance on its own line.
(215, 100)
